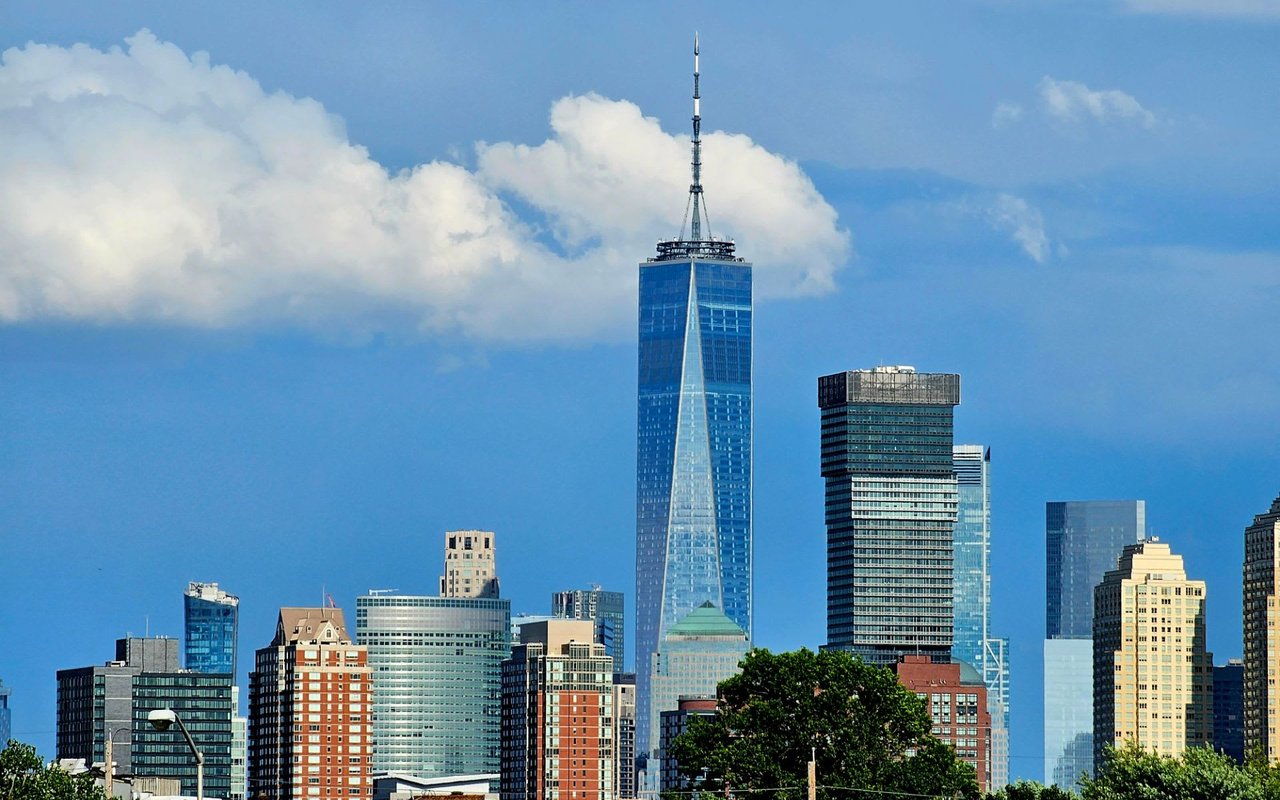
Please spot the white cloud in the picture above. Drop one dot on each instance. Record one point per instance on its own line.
(1208, 8)
(1006, 114)
(1022, 221)
(1071, 101)
(146, 185)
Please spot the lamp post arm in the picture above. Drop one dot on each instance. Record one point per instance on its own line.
(199, 757)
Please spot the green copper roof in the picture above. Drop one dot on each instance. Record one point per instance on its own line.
(706, 620)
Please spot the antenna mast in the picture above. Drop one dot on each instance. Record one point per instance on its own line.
(695, 188)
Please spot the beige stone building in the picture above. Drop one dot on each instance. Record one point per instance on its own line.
(470, 565)
(1152, 677)
(1261, 633)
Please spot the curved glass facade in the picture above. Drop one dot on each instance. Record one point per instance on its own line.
(693, 460)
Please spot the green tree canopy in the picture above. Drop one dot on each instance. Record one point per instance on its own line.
(869, 731)
(23, 776)
(1132, 773)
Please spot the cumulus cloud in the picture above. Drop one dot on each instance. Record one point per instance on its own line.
(1072, 101)
(1006, 114)
(1022, 221)
(143, 184)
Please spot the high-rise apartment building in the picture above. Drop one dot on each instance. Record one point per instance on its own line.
(605, 609)
(558, 715)
(673, 723)
(890, 511)
(1228, 709)
(470, 565)
(957, 701)
(113, 700)
(1152, 677)
(1262, 633)
(693, 437)
(624, 734)
(211, 619)
(697, 653)
(1083, 540)
(437, 708)
(310, 711)
(973, 642)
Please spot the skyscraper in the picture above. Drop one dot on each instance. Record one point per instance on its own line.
(890, 510)
(113, 700)
(1262, 632)
(605, 609)
(971, 596)
(558, 715)
(437, 698)
(211, 619)
(1228, 709)
(310, 711)
(1152, 677)
(470, 565)
(6, 715)
(693, 438)
(1083, 540)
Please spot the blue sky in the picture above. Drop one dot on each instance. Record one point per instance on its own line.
(283, 326)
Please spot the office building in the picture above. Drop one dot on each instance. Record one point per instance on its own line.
(957, 701)
(693, 437)
(1152, 677)
(1228, 709)
(211, 619)
(6, 715)
(239, 749)
(890, 511)
(675, 722)
(605, 609)
(1083, 540)
(1262, 633)
(113, 700)
(973, 642)
(624, 734)
(437, 663)
(557, 715)
(470, 565)
(310, 711)
(696, 654)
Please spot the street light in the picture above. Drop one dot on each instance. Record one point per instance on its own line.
(161, 719)
(108, 769)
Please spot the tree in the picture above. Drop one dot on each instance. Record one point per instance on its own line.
(1133, 773)
(1030, 790)
(869, 731)
(23, 776)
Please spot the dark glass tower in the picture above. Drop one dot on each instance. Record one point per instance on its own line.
(212, 620)
(1083, 539)
(890, 509)
(693, 438)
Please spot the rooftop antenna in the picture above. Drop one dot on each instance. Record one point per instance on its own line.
(695, 188)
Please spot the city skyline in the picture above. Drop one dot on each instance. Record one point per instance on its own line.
(959, 212)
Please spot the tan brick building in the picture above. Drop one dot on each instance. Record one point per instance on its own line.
(470, 565)
(1152, 676)
(310, 711)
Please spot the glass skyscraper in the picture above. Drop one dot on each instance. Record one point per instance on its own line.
(212, 619)
(890, 510)
(6, 716)
(971, 596)
(437, 681)
(693, 439)
(1083, 540)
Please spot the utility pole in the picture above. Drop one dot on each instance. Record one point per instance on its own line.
(813, 773)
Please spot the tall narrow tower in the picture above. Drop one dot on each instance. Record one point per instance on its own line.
(693, 438)
(1262, 632)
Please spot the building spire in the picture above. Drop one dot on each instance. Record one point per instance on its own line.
(695, 188)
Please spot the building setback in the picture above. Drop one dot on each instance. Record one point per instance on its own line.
(1262, 633)
(973, 642)
(113, 700)
(1083, 539)
(957, 702)
(606, 609)
(310, 711)
(890, 511)
(1152, 677)
(558, 715)
(693, 433)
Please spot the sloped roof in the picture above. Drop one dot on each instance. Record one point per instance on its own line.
(706, 620)
(324, 625)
